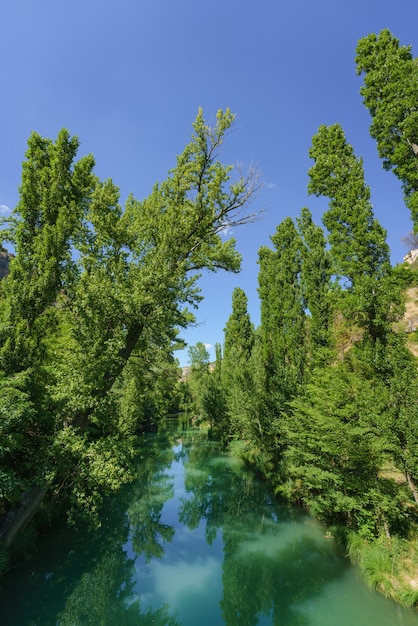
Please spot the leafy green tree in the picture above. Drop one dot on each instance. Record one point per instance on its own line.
(333, 456)
(94, 286)
(214, 398)
(359, 252)
(236, 368)
(316, 286)
(357, 240)
(282, 312)
(197, 380)
(390, 92)
(199, 358)
(398, 424)
(54, 196)
(239, 330)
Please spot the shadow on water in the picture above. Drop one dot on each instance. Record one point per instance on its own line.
(196, 539)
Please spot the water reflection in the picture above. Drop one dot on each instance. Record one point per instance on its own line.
(82, 578)
(273, 556)
(197, 539)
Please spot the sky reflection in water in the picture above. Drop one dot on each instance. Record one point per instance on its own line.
(197, 540)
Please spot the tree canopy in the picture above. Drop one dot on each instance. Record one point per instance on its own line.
(390, 92)
(95, 299)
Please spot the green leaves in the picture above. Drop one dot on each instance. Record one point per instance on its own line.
(96, 295)
(282, 310)
(357, 240)
(390, 92)
(331, 459)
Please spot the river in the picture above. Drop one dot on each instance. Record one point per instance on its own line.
(196, 540)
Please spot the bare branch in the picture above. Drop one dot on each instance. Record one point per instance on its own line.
(410, 240)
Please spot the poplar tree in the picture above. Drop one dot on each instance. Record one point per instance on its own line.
(236, 366)
(238, 334)
(316, 286)
(359, 252)
(54, 197)
(390, 93)
(332, 457)
(282, 312)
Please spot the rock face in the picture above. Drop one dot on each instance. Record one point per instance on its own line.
(4, 262)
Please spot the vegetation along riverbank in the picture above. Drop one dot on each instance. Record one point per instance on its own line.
(321, 397)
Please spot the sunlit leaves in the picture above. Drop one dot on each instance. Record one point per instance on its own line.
(390, 92)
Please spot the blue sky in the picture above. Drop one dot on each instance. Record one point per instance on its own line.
(128, 78)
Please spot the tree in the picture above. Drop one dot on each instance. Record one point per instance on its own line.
(390, 92)
(332, 457)
(198, 378)
(282, 311)
(359, 252)
(316, 286)
(123, 292)
(213, 399)
(199, 358)
(54, 196)
(239, 330)
(357, 240)
(238, 337)
(398, 424)
(236, 372)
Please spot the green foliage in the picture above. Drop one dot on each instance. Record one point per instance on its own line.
(91, 309)
(282, 311)
(24, 434)
(358, 248)
(316, 286)
(53, 197)
(213, 402)
(198, 378)
(357, 240)
(390, 92)
(332, 457)
(237, 373)
(239, 330)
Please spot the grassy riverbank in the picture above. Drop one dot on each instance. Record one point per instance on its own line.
(387, 564)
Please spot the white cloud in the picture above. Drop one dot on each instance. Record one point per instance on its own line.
(4, 208)
(208, 346)
(271, 185)
(173, 581)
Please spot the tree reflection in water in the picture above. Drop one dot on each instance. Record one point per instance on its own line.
(264, 558)
(273, 560)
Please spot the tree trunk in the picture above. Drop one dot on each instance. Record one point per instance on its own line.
(18, 518)
(412, 486)
(81, 419)
(386, 527)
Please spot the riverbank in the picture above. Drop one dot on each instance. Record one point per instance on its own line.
(388, 564)
(197, 537)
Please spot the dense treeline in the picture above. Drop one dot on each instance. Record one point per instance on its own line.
(90, 314)
(323, 396)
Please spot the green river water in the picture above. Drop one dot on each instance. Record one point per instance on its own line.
(196, 540)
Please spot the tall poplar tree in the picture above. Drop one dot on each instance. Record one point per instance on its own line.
(390, 92)
(236, 365)
(282, 311)
(238, 333)
(359, 252)
(316, 286)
